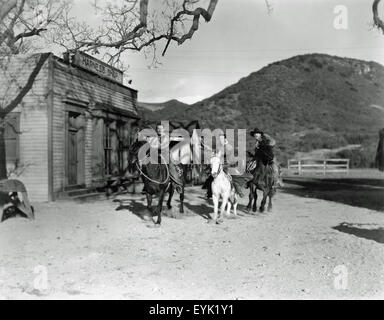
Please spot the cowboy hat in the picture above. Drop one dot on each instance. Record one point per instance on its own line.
(254, 131)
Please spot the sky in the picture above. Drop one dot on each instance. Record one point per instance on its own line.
(243, 37)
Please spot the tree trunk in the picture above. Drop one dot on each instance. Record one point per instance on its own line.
(3, 162)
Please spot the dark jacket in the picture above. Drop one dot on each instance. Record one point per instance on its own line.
(264, 149)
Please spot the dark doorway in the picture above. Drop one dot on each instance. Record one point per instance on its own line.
(72, 157)
(75, 149)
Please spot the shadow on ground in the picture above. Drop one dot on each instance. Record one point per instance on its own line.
(139, 209)
(136, 207)
(370, 234)
(365, 193)
(202, 210)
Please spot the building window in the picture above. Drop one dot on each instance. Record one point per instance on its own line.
(11, 136)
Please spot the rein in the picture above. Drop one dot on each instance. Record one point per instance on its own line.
(219, 170)
(154, 181)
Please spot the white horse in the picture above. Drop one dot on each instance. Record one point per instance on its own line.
(222, 187)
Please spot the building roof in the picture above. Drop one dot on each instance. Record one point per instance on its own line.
(118, 111)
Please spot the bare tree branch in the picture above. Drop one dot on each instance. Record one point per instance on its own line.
(207, 15)
(376, 18)
(27, 87)
(28, 19)
(120, 32)
(27, 34)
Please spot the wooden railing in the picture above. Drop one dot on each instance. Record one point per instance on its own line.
(319, 166)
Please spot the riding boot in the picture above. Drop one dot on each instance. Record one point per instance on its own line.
(176, 174)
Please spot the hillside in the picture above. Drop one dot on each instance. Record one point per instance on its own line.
(155, 111)
(307, 102)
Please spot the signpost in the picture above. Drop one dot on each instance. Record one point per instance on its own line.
(94, 65)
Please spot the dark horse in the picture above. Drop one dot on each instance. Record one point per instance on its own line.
(264, 180)
(157, 179)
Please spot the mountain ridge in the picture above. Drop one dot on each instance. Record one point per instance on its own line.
(306, 102)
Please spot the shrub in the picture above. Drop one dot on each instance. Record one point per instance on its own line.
(316, 63)
(320, 140)
(359, 158)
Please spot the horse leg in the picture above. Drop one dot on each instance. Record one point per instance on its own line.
(149, 201)
(263, 201)
(229, 205)
(182, 201)
(235, 206)
(215, 199)
(171, 191)
(222, 208)
(159, 207)
(254, 191)
(234, 203)
(269, 203)
(249, 206)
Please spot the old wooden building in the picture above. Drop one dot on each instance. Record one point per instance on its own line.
(72, 129)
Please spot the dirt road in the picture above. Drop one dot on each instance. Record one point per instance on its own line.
(306, 248)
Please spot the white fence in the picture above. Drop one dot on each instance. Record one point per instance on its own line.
(319, 166)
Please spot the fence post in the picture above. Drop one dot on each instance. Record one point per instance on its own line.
(324, 167)
(299, 166)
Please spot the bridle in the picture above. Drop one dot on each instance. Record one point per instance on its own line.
(215, 174)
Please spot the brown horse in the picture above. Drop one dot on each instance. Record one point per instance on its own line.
(157, 180)
(264, 180)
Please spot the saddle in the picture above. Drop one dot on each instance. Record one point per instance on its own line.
(176, 173)
(251, 166)
(236, 185)
(259, 172)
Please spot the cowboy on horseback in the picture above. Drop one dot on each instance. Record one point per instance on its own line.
(228, 160)
(264, 153)
(149, 156)
(161, 142)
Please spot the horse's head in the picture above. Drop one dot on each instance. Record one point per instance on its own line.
(216, 165)
(133, 159)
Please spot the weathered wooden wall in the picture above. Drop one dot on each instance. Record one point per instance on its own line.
(83, 91)
(58, 88)
(33, 149)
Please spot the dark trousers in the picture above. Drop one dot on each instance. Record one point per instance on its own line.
(208, 185)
